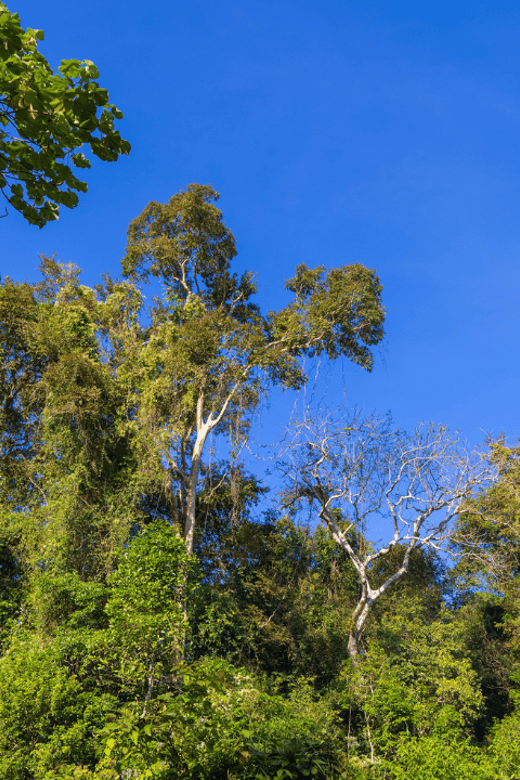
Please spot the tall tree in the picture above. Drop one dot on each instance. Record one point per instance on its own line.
(209, 353)
(487, 539)
(66, 487)
(355, 472)
(487, 535)
(45, 117)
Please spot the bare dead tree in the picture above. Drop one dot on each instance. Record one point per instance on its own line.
(361, 474)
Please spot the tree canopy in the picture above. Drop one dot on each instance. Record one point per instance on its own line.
(161, 614)
(209, 352)
(46, 120)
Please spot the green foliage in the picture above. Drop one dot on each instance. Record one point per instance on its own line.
(185, 243)
(20, 402)
(487, 538)
(145, 608)
(441, 757)
(62, 602)
(46, 718)
(44, 118)
(223, 723)
(68, 485)
(416, 680)
(343, 306)
(209, 355)
(11, 582)
(426, 582)
(123, 655)
(271, 596)
(486, 637)
(504, 747)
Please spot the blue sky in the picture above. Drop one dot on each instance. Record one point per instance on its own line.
(385, 133)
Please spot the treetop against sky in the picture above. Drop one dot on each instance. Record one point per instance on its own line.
(384, 134)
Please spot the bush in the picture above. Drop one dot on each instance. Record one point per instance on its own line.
(225, 724)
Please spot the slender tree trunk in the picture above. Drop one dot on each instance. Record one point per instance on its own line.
(203, 429)
(149, 689)
(358, 619)
(191, 494)
(353, 646)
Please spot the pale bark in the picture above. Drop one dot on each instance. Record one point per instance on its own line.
(359, 471)
(190, 480)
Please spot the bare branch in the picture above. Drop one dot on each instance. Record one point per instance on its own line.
(362, 473)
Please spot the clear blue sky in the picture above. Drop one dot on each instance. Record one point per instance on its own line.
(385, 133)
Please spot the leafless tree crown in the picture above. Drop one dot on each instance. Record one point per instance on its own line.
(357, 470)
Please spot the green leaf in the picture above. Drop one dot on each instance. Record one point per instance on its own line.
(109, 746)
(70, 68)
(54, 116)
